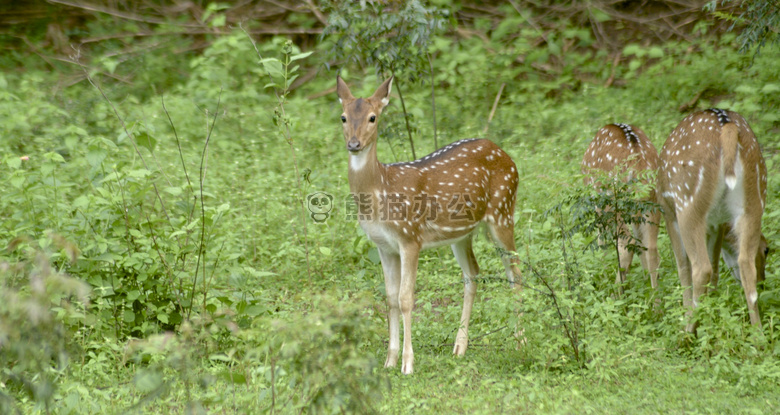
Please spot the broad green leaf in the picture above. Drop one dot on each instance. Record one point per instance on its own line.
(54, 156)
(291, 79)
(300, 56)
(273, 67)
(254, 310)
(261, 274)
(81, 202)
(95, 156)
(133, 295)
(655, 52)
(218, 21)
(233, 376)
(17, 181)
(111, 176)
(128, 316)
(175, 191)
(633, 49)
(47, 168)
(146, 141)
(770, 88)
(746, 89)
(110, 64)
(139, 173)
(107, 257)
(13, 162)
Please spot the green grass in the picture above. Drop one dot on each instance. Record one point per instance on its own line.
(262, 307)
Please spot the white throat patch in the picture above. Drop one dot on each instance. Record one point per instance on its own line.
(359, 160)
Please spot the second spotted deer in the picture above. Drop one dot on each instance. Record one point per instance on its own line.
(437, 200)
(712, 187)
(627, 148)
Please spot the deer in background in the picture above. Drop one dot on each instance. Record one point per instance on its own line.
(625, 147)
(437, 200)
(712, 188)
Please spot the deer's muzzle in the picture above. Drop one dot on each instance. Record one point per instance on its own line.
(353, 145)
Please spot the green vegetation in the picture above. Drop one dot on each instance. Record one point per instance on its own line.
(156, 256)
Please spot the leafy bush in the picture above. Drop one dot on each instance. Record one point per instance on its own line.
(566, 295)
(302, 362)
(317, 361)
(39, 306)
(197, 294)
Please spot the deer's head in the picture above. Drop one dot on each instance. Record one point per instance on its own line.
(360, 116)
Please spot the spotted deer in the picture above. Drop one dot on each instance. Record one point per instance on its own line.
(712, 189)
(437, 200)
(624, 146)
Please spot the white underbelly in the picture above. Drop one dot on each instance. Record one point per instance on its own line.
(728, 204)
(384, 237)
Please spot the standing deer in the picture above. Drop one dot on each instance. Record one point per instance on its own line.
(437, 200)
(712, 188)
(627, 147)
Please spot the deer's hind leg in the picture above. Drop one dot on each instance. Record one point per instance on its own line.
(647, 233)
(504, 237)
(693, 232)
(749, 237)
(625, 255)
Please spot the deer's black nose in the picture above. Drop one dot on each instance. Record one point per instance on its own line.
(353, 144)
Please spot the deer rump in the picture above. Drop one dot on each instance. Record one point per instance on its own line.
(712, 189)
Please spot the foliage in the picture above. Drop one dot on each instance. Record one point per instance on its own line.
(316, 362)
(260, 335)
(617, 200)
(390, 37)
(310, 362)
(281, 74)
(563, 293)
(39, 306)
(761, 20)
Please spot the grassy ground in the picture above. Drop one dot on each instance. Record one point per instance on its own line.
(273, 326)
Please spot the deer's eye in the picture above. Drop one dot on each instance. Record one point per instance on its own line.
(372, 118)
(343, 119)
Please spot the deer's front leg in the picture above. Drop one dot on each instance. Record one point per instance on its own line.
(409, 257)
(391, 265)
(468, 263)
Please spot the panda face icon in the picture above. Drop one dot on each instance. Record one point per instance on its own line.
(319, 204)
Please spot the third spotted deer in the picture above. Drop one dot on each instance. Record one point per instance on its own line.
(622, 147)
(437, 200)
(712, 188)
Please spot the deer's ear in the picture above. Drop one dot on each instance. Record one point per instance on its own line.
(382, 94)
(343, 90)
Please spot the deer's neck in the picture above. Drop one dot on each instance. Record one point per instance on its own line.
(366, 173)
